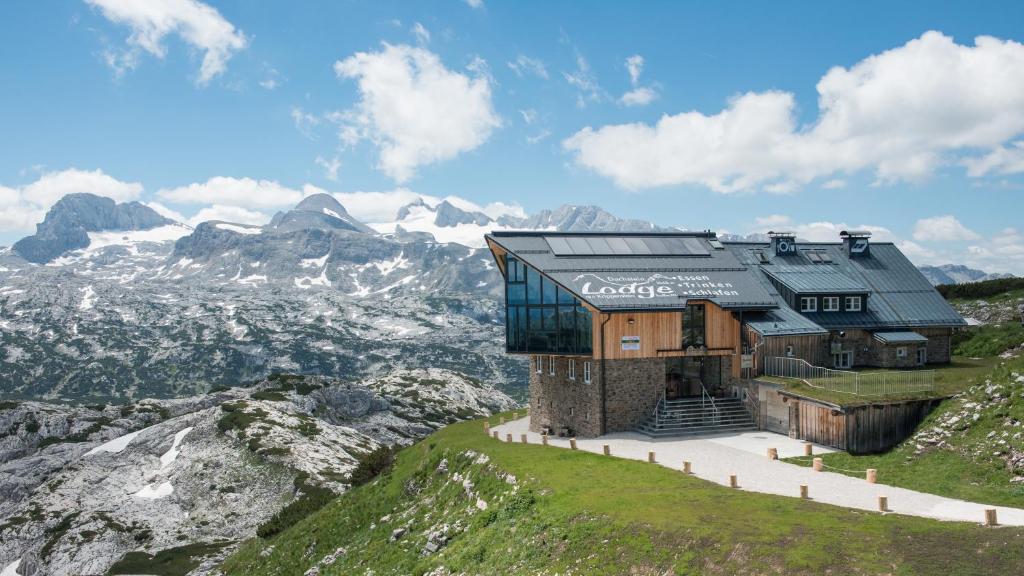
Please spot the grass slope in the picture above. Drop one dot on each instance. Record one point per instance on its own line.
(555, 511)
(955, 453)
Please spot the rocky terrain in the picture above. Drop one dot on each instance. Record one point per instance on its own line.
(91, 489)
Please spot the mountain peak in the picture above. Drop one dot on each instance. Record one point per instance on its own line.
(68, 222)
(318, 211)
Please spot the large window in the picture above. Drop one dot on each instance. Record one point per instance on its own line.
(693, 326)
(541, 316)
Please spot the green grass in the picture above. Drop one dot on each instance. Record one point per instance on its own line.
(170, 562)
(989, 340)
(581, 513)
(950, 379)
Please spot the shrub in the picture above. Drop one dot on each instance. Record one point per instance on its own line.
(372, 465)
(312, 499)
(980, 289)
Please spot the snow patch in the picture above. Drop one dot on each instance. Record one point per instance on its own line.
(88, 298)
(155, 492)
(314, 262)
(116, 445)
(171, 455)
(12, 568)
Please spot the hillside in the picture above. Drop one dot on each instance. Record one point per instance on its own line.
(92, 489)
(460, 502)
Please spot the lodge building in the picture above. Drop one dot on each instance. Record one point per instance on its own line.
(617, 323)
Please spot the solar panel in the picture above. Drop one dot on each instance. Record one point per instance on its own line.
(626, 246)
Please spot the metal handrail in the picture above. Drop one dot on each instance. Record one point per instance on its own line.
(849, 382)
(703, 407)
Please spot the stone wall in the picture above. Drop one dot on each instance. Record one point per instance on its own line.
(868, 351)
(633, 390)
(556, 401)
(938, 344)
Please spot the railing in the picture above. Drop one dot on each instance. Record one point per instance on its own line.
(849, 382)
(704, 399)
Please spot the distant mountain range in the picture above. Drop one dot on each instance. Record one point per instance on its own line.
(116, 302)
(957, 274)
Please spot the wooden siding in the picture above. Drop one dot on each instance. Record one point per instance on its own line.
(499, 254)
(859, 430)
(661, 334)
(810, 347)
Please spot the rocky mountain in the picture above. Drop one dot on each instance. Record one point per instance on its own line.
(957, 274)
(68, 223)
(88, 489)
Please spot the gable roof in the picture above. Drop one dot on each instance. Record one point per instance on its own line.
(640, 271)
(899, 296)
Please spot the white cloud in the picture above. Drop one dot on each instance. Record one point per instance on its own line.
(243, 192)
(539, 136)
(635, 65)
(477, 4)
(421, 33)
(166, 212)
(834, 184)
(524, 65)
(305, 122)
(821, 231)
(901, 114)
(330, 167)
(529, 115)
(235, 214)
(942, 229)
(588, 90)
(21, 207)
(638, 97)
(1002, 160)
(380, 206)
(197, 24)
(416, 111)
(271, 78)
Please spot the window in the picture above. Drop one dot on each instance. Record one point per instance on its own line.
(537, 362)
(789, 350)
(853, 303)
(551, 365)
(901, 352)
(693, 326)
(586, 372)
(572, 369)
(830, 303)
(541, 316)
(808, 304)
(922, 356)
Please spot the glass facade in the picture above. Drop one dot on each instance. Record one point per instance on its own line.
(542, 317)
(693, 326)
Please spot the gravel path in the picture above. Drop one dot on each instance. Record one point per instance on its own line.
(714, 458)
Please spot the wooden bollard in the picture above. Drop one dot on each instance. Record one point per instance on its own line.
(650, 457)
(773, 454)
(808, 449)
(544, 439)
(501, 420)
(883, 504)
(817, 465)
(732, 481)
(990, 517)
(686, 467)
(803, 491)
(496, 437)
(508, 438)
(607, 450)
(487, 428)
(522, 438)
(572, 443)
(871, 475)
(515, 415)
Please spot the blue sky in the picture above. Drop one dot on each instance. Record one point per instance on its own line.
(238, 108)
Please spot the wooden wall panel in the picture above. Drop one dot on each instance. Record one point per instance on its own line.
(661, 333)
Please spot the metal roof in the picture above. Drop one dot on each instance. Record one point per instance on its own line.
(899, 337)
(815, 279)
(643, 281)
(781, 321)
(899, 296)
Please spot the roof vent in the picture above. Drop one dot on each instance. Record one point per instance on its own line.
(856, 242)
(784, 243)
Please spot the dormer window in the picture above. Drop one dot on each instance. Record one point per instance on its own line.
(808, 304)
(830, 304)
(853, 303)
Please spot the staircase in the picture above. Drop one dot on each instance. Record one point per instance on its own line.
(693, 416)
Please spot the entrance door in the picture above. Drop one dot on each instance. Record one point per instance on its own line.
(843, 359)
(683, 377)
(673, 378)
(922, 356)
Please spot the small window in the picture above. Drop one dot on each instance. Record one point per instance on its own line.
(922, 356)
(586, 372)
(853, 303)
(789, 350)
(551, 365)
(808, 304)
(830, 303)
(572, 369)
(537, 363)
(901, 352)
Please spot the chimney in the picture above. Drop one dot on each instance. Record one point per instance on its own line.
(856, 243)
(784, 243)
